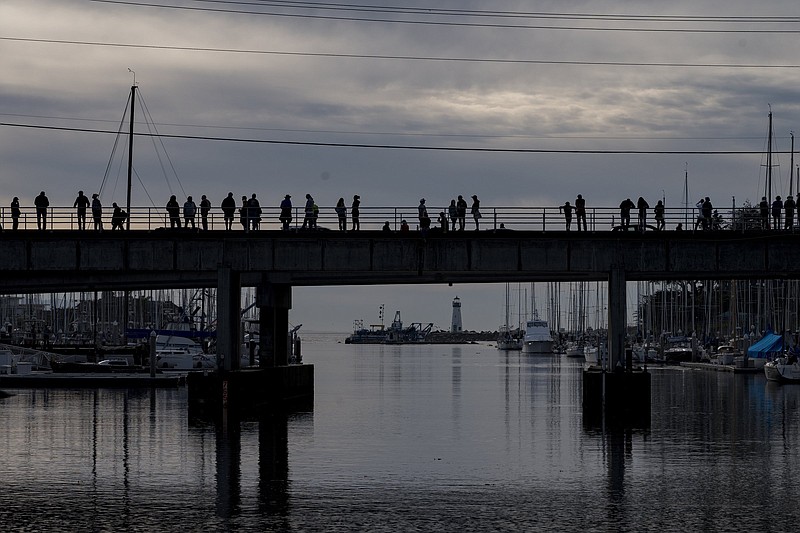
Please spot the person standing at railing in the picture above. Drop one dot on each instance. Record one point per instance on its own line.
(777, 207)
(244, 218)
(97, 212)
(461, 211)
(174, 212)
(254, 212)
(443, 222)
(117, 218)
(308, 219)
(189, 212)
(580, 211)
(286, 211)
(205, 208)
(476, 211)
(228, 206)
(42, 203)
(788, 209)
(625, 213)
(424, 219)
(643, 206)
(452, 211)
(81, 203)
(15, 213)
(707, 210)
(567, 210)
(355, 212)
(763, 207)
(659, 215)
(341, 212)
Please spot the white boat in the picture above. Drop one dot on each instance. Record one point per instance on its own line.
(574, 349)
(538, 340)
(725, 354)
(784, 369)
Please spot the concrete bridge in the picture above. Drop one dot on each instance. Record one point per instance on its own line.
(275, 261)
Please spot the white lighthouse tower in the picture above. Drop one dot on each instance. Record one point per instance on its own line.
(456, 326)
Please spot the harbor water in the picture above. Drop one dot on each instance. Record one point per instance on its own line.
(408, 438)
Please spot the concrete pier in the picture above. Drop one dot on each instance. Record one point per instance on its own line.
(252, 389)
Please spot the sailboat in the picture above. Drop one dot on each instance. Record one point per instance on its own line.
(506, 338)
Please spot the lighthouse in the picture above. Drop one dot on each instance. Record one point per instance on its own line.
(456, 326)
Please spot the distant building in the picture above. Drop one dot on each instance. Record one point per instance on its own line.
(456, 325)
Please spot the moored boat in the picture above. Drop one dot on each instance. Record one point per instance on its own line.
(783, 369)
(538, 340)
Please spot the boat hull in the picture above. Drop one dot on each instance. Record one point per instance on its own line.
(537, 348)
(781, 371)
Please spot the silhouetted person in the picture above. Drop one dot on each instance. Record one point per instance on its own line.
(679, 227)
(244, 217)
(341, 213)
(643, 206)
(404, 226)
(205, 208)
(355, 212)
(763, 207)
(424, 219)
(461, 211)
(788, 210)
(81, 203)
(189, 212)
(452, 212)
(254, 212)
(707, 210)
(777, 207)
(117, 218)
(476, 211)
(580, 212)
(228, 206)
(15, 213)
(97, 212)
(625, 212)
(286, 212)
(42, 203)
(567, 210)
(386, 227)
(443, 221)
(174, 212)
(308, 220)
(659, 215)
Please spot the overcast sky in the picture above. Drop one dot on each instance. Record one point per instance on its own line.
(454, 79)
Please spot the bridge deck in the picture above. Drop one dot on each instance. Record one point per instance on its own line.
(71, 260)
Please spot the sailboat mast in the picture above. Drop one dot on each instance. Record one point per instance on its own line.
(130, 158)
(769, 158)
(791, 165)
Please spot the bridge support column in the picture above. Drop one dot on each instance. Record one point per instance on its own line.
(617, 317)
(274, 302)
(228, 318)
(616, 395)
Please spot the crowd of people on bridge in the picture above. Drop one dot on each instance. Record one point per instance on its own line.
(775, 215)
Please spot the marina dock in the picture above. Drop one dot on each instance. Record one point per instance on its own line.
(45, 380)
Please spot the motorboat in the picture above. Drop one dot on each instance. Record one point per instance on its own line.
(783, 369)
(574, 349)
(538, 340)
(725, 354)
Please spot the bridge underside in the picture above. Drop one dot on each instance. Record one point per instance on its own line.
(72, 261)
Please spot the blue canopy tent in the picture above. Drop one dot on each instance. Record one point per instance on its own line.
(770, 346)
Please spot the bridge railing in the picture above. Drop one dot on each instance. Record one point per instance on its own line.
(527, 218)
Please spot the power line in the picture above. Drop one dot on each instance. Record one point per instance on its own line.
(450, 23)
(410, 134)
(400, 147)
(404, 58)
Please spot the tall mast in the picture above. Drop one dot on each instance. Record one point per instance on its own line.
(791, 165)
(769, 158)
(686, 196)
(130, 154)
